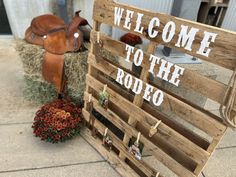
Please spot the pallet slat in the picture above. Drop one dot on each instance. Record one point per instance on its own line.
(195, 117)
(165, 159)
(138, 99)
(176, 145)
(190, 79)
(201, 142)
(120, 146)
(166, 133)
(114, 161)
(223, 53)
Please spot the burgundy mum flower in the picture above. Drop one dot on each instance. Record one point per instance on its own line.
(57, 121)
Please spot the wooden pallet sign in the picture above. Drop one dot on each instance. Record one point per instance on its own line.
(131, 113)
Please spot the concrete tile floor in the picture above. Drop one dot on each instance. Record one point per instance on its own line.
(23, 155)
(22, 150)
(80, 170)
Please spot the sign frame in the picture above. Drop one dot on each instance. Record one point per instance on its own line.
(180, 149)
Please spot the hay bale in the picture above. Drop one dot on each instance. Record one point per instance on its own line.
(38, 90)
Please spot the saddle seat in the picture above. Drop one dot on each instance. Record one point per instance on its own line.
(44, 24)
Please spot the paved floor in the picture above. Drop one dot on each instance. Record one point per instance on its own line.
(23, 155)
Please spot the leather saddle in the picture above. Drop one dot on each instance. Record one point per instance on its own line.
(57, 38)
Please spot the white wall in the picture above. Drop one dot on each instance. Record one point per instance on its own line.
(87, 12)
(21, 12)
(187, 9)
(86, 6)
(229, 21)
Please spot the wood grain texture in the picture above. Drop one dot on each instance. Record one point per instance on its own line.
(182, 150)
(223, 50)
(185, 111)
(121, 167)
(168, 161)
(181, 143)
(178, 127)
(122, 147)
(190, 80)
(138, 99)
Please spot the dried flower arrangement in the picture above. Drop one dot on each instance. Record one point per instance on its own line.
(57, 121)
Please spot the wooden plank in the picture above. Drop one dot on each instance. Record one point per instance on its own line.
(138, 99)
(158, 153)
(183, 144)
(187, 101)
(123, 126)
(149, 171)
(190, 79)
(121, 167)
(185, 111)
(96, 26)
(177, 147)
(210, 149)
(201, 142)
(165, 146)
(223, 50)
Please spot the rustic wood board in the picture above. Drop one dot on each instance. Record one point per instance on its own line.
(176, 144)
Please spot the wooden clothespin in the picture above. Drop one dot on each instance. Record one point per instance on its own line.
(104, 89)
(98, 37)
(106, 130)
(138, 138)
(99, 41)
(90, 98)
(158, 173)
(153, 129)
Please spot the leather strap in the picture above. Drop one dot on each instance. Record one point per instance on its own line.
(53, 70)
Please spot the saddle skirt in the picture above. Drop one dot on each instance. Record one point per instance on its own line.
(53, 70)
